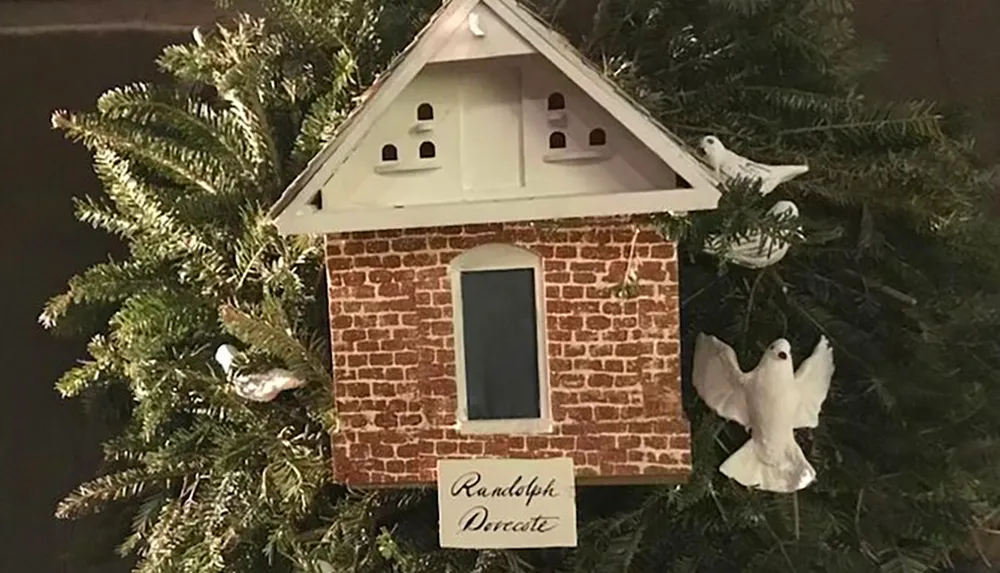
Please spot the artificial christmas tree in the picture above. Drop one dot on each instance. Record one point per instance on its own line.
(896, 265)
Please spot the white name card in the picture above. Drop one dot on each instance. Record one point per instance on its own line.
(506, 503)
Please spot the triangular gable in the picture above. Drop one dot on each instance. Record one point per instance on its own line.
(465, 42)
(296, 213)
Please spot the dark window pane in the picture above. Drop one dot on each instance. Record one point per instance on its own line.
(501, 344)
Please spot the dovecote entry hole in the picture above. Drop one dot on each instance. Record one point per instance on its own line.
(425, 112)
(389, 152)
(557, 140)
(598, 137)
(427, 150)
(556, 102)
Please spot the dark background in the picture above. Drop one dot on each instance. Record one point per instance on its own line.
(46, 445)
(939, 49)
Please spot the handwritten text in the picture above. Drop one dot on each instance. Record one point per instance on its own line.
(520, 487)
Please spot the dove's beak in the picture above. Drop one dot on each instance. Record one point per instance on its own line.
(783, 355)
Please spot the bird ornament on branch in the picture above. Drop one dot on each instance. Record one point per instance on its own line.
(729, 166)
(261, 387)
(757, 250)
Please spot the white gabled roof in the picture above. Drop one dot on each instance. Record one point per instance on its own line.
(294, 214)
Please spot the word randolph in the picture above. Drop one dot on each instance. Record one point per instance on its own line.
(477, 518)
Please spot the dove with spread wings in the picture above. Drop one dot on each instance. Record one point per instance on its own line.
(770, 401)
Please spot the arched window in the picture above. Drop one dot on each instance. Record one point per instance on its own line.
(389, 152)
(427, 150)
(557, 140)
(500, 352)
(598, 137)
(556, 101)
(425, 112)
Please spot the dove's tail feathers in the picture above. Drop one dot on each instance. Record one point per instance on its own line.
(792, 472)
(785, 173)
(778, 174)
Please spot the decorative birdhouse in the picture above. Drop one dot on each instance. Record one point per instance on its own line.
(478, 209)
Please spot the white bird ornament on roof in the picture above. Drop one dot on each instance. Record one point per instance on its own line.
(770, 401)
(256, 387)
(757, 250)
(729, 165)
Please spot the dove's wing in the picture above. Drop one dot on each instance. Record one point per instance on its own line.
(266, 387)
(755, 251)
(812, 380)
(752, 258)
(734, 165)
(718, 379)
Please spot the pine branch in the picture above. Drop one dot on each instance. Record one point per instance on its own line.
(215, 131)
(743, 7)
(102, 283)
(324, 115)
(269, 330)
(74, 382)
(185, 165)
(95, 494)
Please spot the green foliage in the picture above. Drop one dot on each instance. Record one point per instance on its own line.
(897, 266)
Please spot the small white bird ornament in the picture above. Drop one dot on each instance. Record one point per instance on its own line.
(771, 401)
(199, 38)
(474, 25)
(757, 250)
(731, 166)
(257, 387)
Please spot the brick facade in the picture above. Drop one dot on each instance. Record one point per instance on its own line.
(614, 364)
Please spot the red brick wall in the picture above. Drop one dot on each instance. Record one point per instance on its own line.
(614, 364)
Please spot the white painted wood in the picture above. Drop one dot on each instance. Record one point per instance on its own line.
(498, 39)
(411, 165)
(567, 156)
(626, 163)
(377, 100)
(639, 155)
(563, 56)
(491, 133)
(492, 154)
(493, 257)
(364, 180)
(473, 212)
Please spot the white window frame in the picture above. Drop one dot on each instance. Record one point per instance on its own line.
(498, 257)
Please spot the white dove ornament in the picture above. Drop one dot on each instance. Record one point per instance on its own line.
(770, 401)
(256, 387)
(731, 166)
(756, 251)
